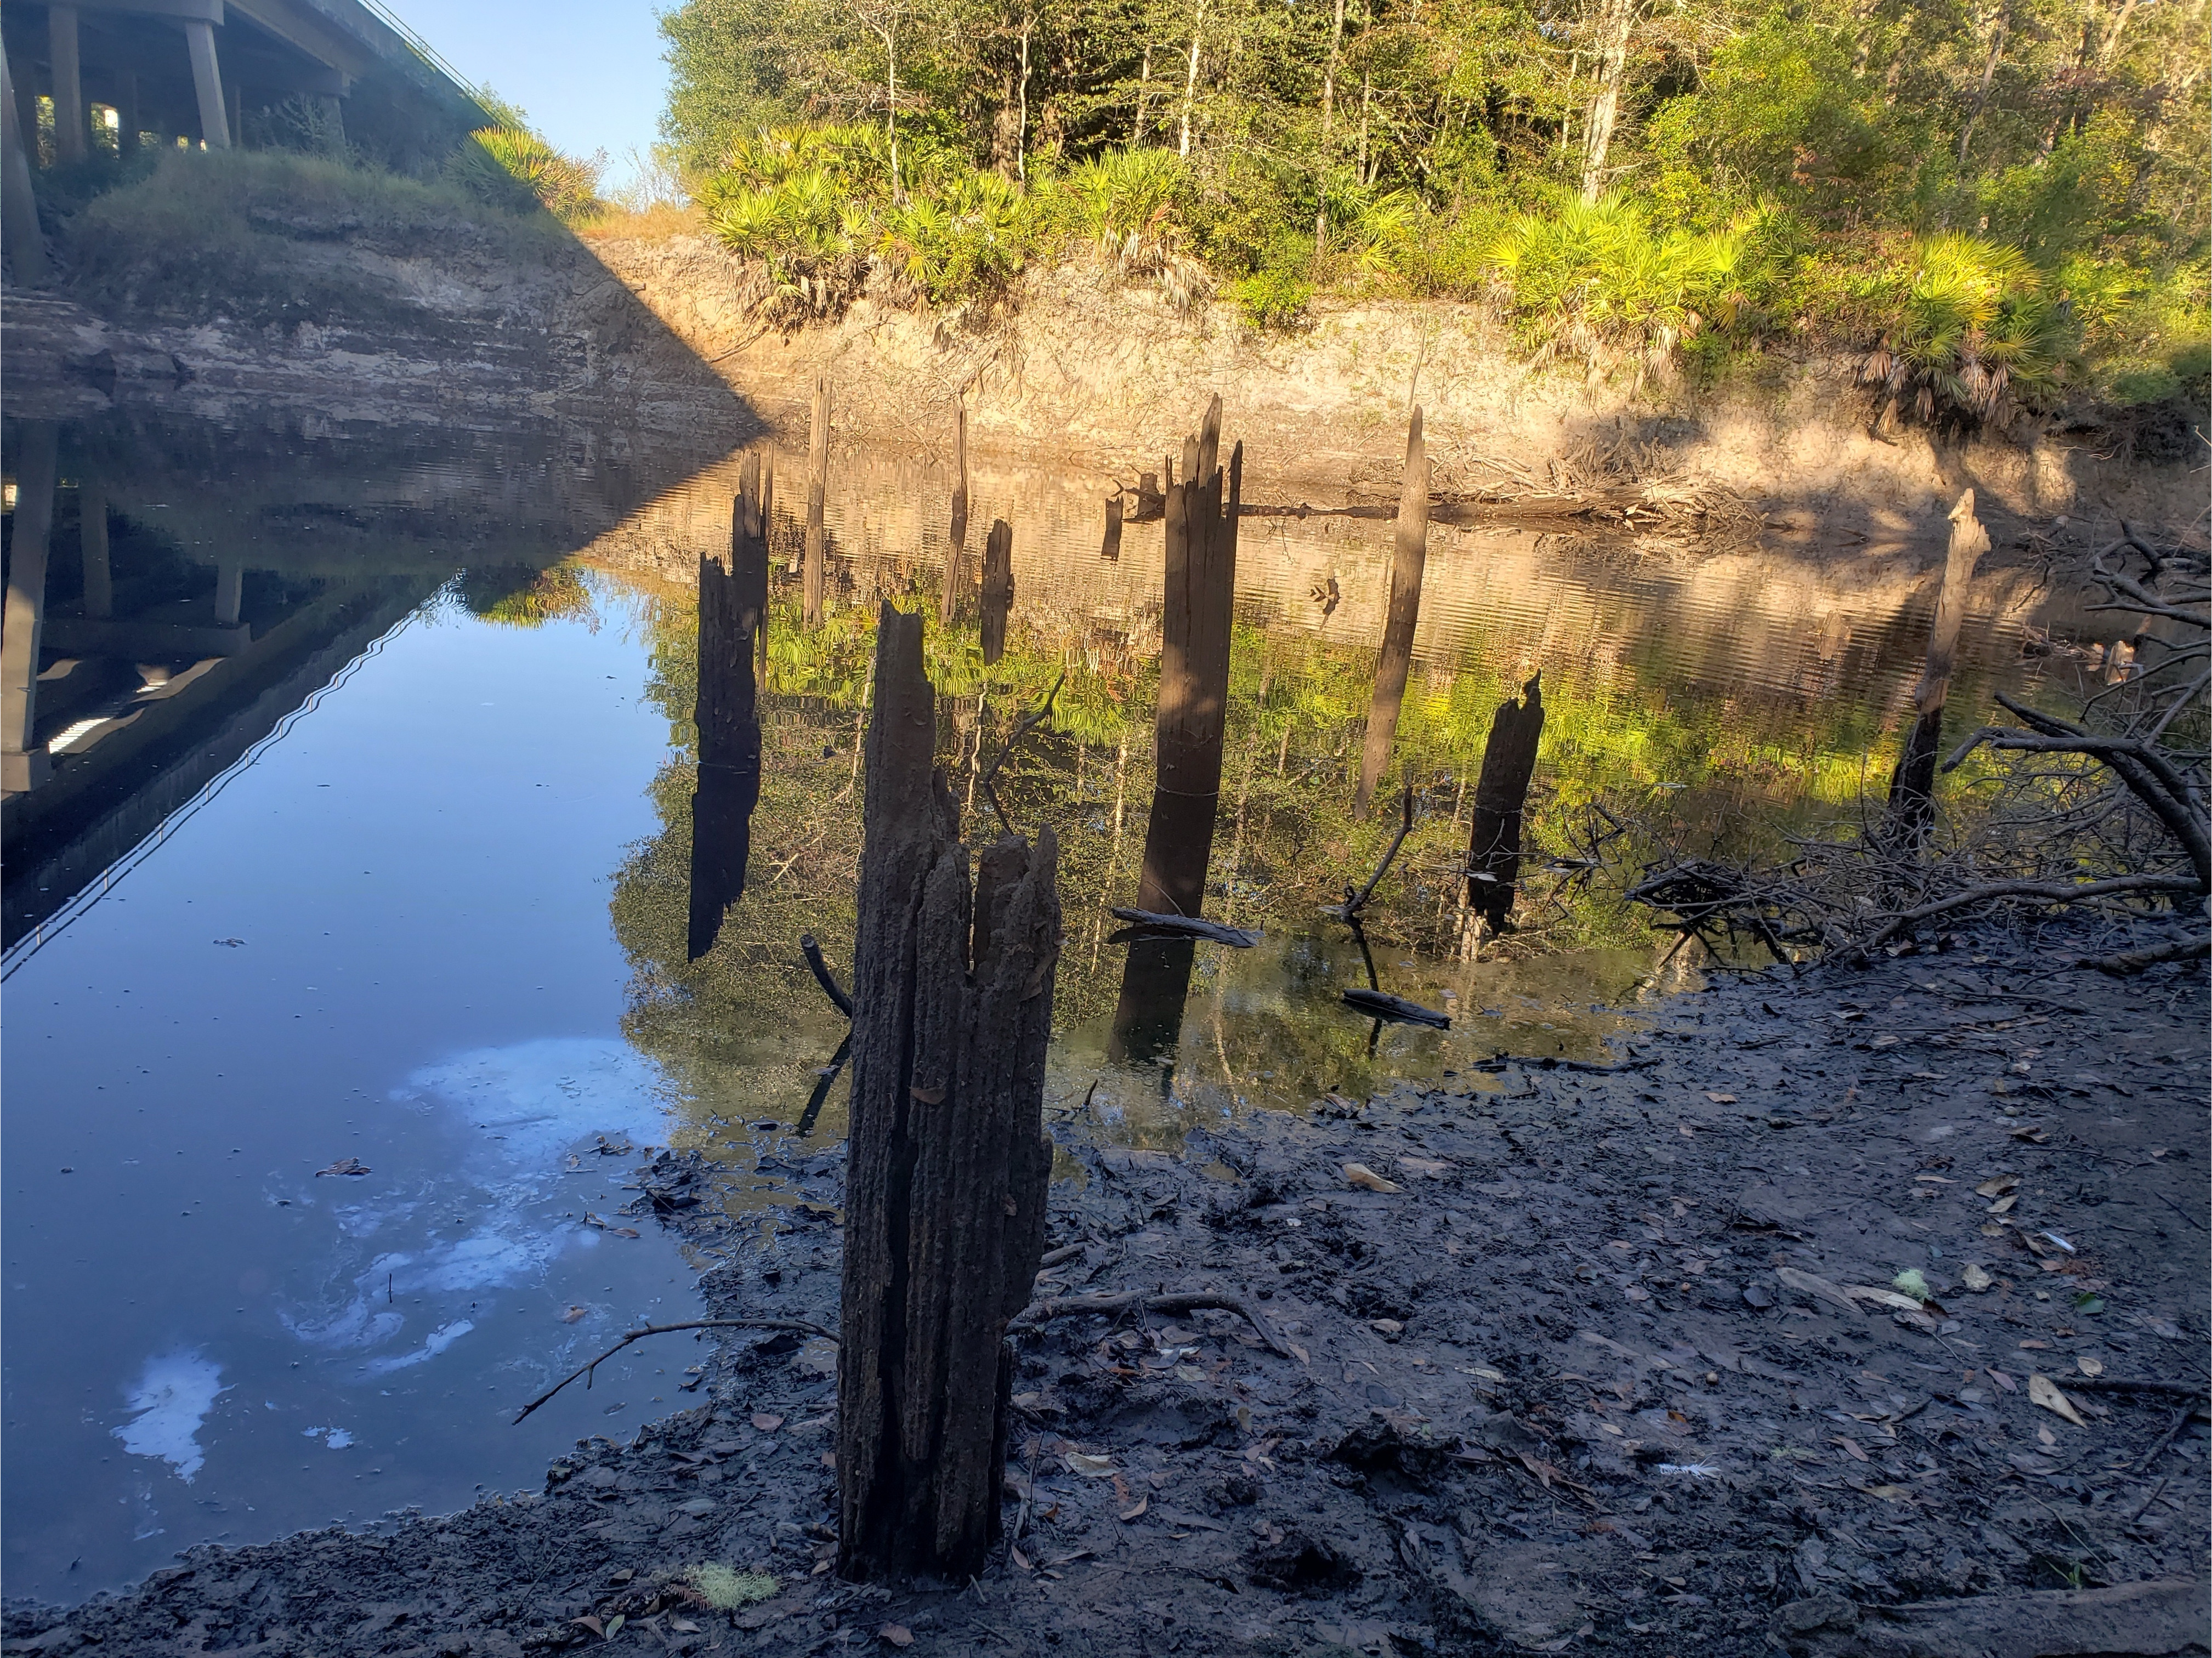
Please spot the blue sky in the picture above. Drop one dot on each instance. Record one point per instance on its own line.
(588, 71)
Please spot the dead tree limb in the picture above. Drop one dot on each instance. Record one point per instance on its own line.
(1040, 1312)
(823, 976)
(1159, 923)
(1029, 722)
(1355, 902)
(2050, 892)
(585, 1368)
(1381, 1005)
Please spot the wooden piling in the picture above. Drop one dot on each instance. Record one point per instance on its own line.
(817, 554)
(946, 1162)
(948, 597)
(1194, 702)
(725, 713)
(1911, 808)
(1501, 794)
(997, 588)
(1111, 548)
(1408, 560)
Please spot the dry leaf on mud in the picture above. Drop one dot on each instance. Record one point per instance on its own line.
(1997, 1185)
(1891, 1298)
(2003, 1381)
(1820, 1287)
(1136, 1511)
(2087, 1365)
(1425, 1165)
(1721, 1099)
(2003, 1205)
(897, 1633)
(592, 1624)
(1976, 1278)
(1850, 1446)
(1358, 1174)
(1019, 1559)
(2042, 1390)
(573, 1313)
(767, 1424)
(1091, 1467)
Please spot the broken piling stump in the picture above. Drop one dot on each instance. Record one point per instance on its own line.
(1194, 702)
(1110, 547)
(1501, 793)
(1911, 808)
(948, 595)
(946, 1161)
(726, 713)
(997, 588)
(1409, 558)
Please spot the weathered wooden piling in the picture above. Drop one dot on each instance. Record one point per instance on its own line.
(948, 595)
(946, 1162)
(1194, 702)
(815, 570)
(1911, 808)
(997, 588)
(1110, 547)
(726, 713)
(1501, 794)
(1408, 560)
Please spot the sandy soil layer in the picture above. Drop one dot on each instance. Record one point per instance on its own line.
(1623, 1364)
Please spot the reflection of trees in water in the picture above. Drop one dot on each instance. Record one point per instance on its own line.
(744, 1030)
(525, 595)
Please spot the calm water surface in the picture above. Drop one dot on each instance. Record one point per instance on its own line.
(389, 862)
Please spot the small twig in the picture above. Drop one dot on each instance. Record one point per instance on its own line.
(586, 1369)
(2106, 1384)
(2143, 1507)
(1355, 902)
(2172, 1432)
(1027, 723)
(1038, 1312)
(823, 976)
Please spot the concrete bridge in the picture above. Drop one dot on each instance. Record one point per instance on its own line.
(121, 74)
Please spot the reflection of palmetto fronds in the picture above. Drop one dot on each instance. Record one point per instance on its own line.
(1974, 331)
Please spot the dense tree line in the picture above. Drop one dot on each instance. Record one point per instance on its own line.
(2049, 156)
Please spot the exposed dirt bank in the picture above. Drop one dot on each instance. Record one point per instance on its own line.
(1080, 371)
(1603, 1374)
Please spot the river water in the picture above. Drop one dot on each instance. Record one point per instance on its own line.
(348, 973)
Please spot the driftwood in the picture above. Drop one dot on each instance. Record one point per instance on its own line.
(948, 596)
(1911, 808)
(997, 588)
(1042, 1312)
(815, 572)
(585, 1368)
(1407, 560)
(1383, 1005)
(1356, 901)
(1159, 924)
(947, 1160)
(733, 616)
(1193, 699)
(823, 976)
(1501, 793)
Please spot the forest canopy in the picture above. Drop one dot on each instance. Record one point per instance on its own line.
(1994, 199)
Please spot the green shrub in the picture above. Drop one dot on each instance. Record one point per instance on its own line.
(1272, 299)
(512, 167)
(1973, 334)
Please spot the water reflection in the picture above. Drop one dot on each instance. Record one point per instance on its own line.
(732, 608)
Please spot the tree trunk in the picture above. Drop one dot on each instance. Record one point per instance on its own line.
(1501, 794)
(1407, 562)
(948, 597)
(1911, 808)
(1022, 131)
(1144, 83)
(1190, 79)
(1328, 114)
(1997, 30)
(946, 1162)
(998, 589)
(817, 488)
(1191, 716)
(1616, 19)
(732, 610)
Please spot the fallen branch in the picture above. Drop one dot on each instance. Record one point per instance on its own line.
(1027, 723)
(812, 952)
(2106, 1384)
(1383, 1005)
(2128, 962)
(1188, 926)
(2048, 892)
(1039, 1312)
(586, 1369)
(1355, 902)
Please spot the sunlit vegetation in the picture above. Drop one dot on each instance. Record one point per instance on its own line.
(1993, 205)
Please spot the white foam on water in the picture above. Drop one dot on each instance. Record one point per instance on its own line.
(435, 1343)
(172, 1397)
(534, 1099)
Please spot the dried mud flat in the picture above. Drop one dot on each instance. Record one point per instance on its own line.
(1594, 1377)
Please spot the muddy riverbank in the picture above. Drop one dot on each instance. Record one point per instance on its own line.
(1622, 1361)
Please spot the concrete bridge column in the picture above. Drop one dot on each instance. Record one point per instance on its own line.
(69, 83)
(207, 82)
(21, 767)
(19, 207)
(229, 588)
